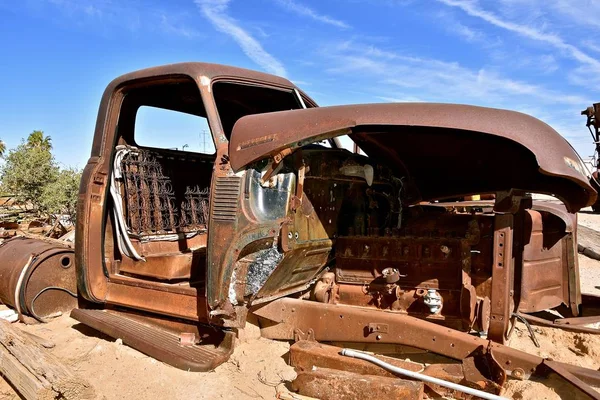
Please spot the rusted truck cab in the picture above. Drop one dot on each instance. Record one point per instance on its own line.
(281, 210)
(150, 252)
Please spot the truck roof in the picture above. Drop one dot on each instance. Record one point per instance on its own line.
(195, 69)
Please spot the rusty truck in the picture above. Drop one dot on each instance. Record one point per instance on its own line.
(280, 224)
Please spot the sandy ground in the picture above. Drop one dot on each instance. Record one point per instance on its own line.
(258, 365)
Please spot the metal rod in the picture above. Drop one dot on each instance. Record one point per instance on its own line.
(421, 377)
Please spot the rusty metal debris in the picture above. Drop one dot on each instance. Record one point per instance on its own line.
(593, 124)
(37, 278)
(418, 376)
(577, 382)
(324, 383)
(555, 324)
(305, 355)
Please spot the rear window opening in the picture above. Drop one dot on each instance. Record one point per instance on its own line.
(172, 130)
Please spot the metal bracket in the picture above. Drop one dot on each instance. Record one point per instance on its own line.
(277, 159)
(375, 327)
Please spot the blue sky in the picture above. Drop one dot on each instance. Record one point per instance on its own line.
(533, 56)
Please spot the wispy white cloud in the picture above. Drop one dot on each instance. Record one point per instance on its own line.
(465, 32)
(89, 8)
(306, 11)
(104, 15)
(582, 12)
(437, 80)
(397, 76)
(591, 45)
(471, 7)
(173, 26)
(216, 12)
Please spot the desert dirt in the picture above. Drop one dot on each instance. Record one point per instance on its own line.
(258, 365)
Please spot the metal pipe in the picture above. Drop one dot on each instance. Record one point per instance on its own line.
(421, 377)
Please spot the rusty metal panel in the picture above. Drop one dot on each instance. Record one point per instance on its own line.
(162, 267)
(305, 354)
(544, 275)
(37, 278)
(502, 270)
(331, 384)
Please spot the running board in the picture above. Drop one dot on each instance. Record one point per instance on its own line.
(159, 343)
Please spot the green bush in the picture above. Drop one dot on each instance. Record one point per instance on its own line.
(59, 197)
(31, 174)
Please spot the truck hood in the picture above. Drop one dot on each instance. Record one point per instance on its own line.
(446, 150)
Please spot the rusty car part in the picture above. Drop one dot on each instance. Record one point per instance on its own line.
(332, 384)
(37, 278)
(554, 324)
(179, 350)
(279, 318)
(150, 199)
(306, 355)
(502, 277)
(592, 319)
(194, 88)
(574, 380)
(593, 124)
(421, 377)
(395, 130)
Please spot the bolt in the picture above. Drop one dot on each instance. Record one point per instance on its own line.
(378, 337)
(518, 373)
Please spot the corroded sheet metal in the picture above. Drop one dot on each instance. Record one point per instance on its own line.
(544, 281)
(37, 278)
(306, 355)
(474, 141)
(324, 383)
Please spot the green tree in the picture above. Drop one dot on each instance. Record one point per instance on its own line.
(27, 170)
(2, 148)
(37, 139)
(59, 197)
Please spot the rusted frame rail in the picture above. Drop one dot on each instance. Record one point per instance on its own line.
(336, 323)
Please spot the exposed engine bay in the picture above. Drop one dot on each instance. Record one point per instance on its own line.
(419, 260)
(368, 246)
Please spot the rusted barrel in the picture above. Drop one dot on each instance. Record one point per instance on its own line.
(37, 278)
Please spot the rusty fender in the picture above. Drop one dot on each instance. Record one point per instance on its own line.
(336, 323)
